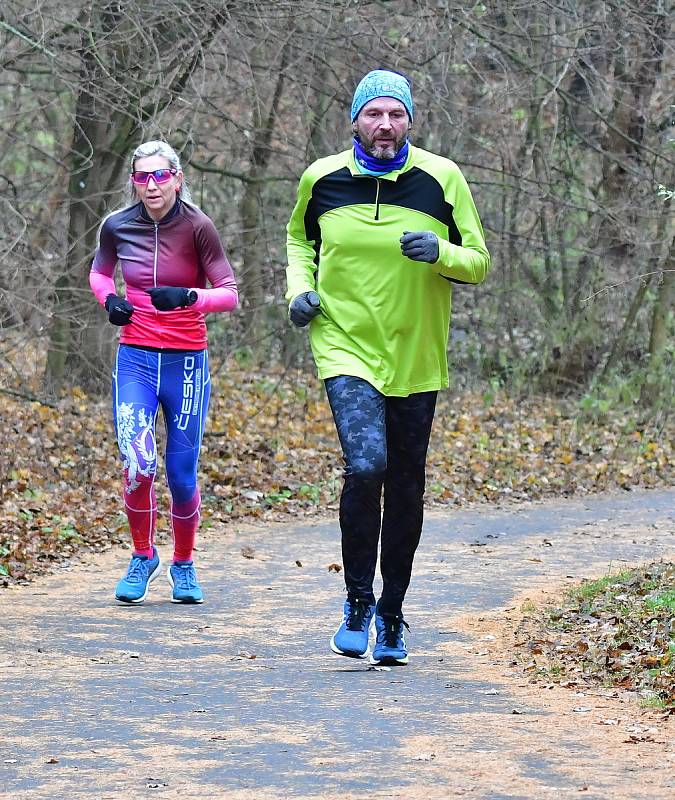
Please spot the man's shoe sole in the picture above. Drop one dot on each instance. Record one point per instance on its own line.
(389, 661)
(187, 601)
(128, 602)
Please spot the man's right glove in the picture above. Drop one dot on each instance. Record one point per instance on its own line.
(304, 308)
(119, 310)
(420, 246)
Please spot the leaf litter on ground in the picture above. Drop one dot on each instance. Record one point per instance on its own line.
(615, 631)
(271, 452)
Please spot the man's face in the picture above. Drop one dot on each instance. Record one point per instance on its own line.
(382, 127)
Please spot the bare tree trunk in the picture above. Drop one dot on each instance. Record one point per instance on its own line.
(79, 344)
(621, 339)
(251, 208)
(663, 308)
(651, 394)
(651, 267)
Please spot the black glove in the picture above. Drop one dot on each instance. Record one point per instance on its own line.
(166, 298)
(420, 246)
(119, 310)
(304, 308)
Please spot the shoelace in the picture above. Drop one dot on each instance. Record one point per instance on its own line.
(357, 612)
(185, 576)
(392, 631)
(137, 571)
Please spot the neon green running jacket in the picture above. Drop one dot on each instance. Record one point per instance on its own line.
(385, 318)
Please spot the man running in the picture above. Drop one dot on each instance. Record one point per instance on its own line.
(377, 237)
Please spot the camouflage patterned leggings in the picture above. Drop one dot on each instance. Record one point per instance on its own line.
(384, 443)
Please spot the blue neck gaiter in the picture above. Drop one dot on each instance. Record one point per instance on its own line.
(369, 165)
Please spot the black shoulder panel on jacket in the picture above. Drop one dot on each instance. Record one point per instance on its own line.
(415, 189)
(335, 190)
(420, 191)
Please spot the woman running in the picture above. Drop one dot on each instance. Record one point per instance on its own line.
(168, 249)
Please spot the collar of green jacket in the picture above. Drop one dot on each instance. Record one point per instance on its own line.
(388, 176)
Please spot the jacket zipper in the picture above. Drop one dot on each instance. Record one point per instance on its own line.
(377, 199)
(154, 265)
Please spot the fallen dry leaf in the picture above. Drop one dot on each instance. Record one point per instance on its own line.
(270, 450)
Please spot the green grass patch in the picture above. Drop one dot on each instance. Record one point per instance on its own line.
(608, 584)
(653, 702)
(617, 630)
(662, 600)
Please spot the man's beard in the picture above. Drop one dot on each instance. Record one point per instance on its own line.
(385, 151)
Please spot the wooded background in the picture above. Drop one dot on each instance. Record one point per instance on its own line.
(559, 113)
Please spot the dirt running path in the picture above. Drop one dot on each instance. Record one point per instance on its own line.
(241, 698)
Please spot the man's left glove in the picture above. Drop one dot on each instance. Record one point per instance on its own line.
(166, 298)
(420, 246)
(304, 308)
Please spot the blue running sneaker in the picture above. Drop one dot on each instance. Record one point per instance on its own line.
(133, 587)
(390, 648)
(183, 578)
(351, 638)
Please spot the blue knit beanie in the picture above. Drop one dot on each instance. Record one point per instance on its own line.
(382, 83)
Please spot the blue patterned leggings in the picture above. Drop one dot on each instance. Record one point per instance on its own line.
(384, 443)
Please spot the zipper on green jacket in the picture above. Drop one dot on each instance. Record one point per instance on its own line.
(377, 199)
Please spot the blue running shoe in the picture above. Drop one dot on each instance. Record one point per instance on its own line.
(351, 638)
(390, 647)
(133, 587)
(183, 578)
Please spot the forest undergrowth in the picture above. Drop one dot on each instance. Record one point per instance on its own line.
(271, 453)
(614, 631)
